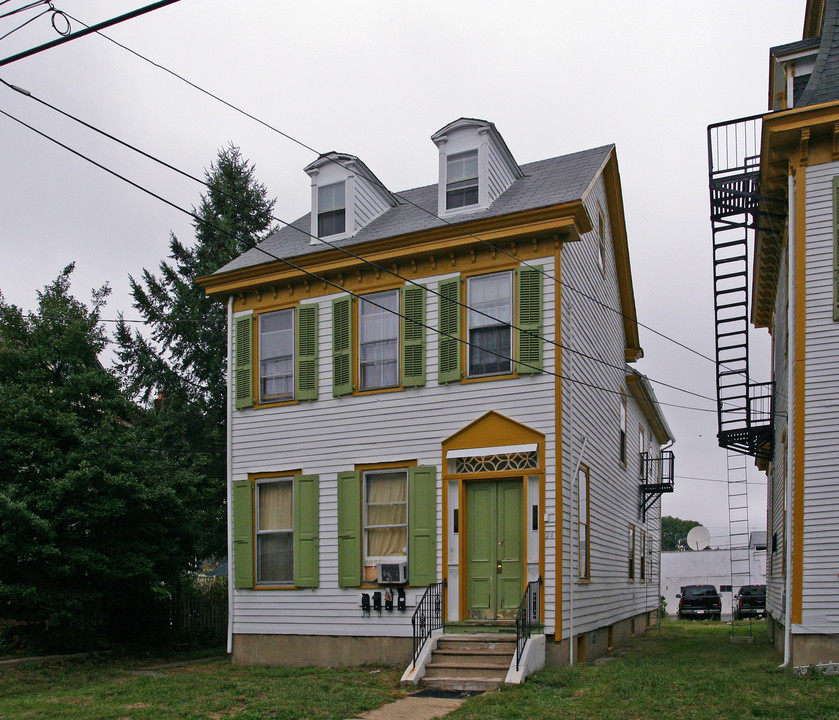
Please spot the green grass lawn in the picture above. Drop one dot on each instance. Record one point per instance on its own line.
(690, 671)
(105, 688)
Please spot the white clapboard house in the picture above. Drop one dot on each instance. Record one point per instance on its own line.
(429, 397)
(775, 185)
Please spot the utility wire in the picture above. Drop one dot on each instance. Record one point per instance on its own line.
(302, 144)
(324, 280)
(24, 24)
(342, 249)
(87, 31)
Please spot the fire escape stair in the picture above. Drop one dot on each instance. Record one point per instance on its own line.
(744, 412)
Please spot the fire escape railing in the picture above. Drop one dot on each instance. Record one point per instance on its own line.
(744, 408)
(656, 476)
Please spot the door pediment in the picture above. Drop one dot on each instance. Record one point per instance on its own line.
(493, 430)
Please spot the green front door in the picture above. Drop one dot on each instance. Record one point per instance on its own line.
(494, 549)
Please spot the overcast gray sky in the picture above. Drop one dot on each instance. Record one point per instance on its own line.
(376, 79)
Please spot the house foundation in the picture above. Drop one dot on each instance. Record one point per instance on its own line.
(807, 649)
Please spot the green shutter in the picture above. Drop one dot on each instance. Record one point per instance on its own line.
(449, 339)
(306, 538)
(243, 361)
(413, 336)
(243, 533)
(342, 346)
(529, 320)
(836, 248)
(349, 528)
(422, 525)
(307, 352)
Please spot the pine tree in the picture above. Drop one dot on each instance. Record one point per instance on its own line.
(178, 362)
(90, 520)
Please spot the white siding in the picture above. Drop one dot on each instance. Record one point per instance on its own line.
(821, 413)
(593, 415)
(369, 202)
(499, 174)
(327, 436)
(775, 526)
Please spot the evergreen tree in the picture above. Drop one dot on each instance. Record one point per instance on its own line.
(180, 363)
(89, 521)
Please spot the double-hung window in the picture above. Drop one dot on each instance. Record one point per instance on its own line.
(378, 340)
(276, 355)
(486, 329)
(331, 210)
(623, 429)
(286, 366)
(462, 180)
(385, 515)
(275, 531)
(490, 301)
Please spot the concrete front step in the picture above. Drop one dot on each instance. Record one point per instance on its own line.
(463, 684)
(474, 662)
(489, 672)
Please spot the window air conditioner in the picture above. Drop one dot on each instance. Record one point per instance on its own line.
(393, 573)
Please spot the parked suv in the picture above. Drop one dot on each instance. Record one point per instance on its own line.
(699, 601)
(750, 602)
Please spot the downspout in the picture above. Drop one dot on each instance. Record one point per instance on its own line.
(788, 470)
(575, 484)
(229, 478)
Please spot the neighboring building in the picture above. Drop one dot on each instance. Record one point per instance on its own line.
(775, 180)
(431, 387)
(708, 567)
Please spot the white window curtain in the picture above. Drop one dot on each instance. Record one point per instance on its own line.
(387, 514)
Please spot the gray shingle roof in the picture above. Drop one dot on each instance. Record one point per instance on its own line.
(824, 80)
(545, 183)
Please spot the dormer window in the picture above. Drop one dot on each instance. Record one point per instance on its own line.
(476, 166)
(346, 197)
(462, 180)
(332, 214)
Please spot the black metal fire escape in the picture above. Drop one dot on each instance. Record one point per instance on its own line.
(657, 475)
(744, 408)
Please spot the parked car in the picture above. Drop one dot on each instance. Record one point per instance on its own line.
(750, 602)
(699, 601)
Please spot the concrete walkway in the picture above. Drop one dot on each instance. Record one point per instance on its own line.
(413, 708)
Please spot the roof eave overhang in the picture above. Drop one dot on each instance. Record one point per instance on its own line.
(617, 222)
(799, 136)
(565, 222)
(642, 391)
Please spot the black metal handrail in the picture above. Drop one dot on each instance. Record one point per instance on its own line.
(428, 617)
(657, 472)
(527, 616)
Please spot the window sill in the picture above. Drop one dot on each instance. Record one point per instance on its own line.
(485, 378)
(278, 587)
(377, 391)
(278, 403)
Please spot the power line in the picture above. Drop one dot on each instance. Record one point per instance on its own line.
(342, 249)
(331, 283)
(302, 144)
(87, 31)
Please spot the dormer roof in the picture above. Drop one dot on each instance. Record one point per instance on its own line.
(363, 197)
(476, 166)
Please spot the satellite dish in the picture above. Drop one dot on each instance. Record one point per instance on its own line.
(698, 538)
